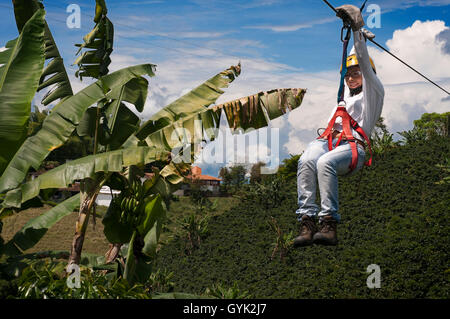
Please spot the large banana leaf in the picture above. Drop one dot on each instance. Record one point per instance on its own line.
(94, 63)
(152, 226)
(125, 124)
(191, 103)
(30, 234)
(59, 125)
(118, 121)
(254, 111)
(55, 70)
(86, 167)
(22, 61)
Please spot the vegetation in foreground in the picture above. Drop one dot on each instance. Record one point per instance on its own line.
(395, 215)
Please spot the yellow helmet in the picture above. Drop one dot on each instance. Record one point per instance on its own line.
(352, 60)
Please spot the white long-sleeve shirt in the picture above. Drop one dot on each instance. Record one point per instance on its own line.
(365, 107)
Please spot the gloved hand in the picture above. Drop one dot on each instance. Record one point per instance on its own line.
(352, 14)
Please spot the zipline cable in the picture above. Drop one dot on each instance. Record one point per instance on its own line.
(381, 47)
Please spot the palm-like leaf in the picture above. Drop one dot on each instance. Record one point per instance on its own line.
(119, 122)
(94, 63)
(30, 234)
(254, 111)
(54, 73)
(191, 103)
(22, 61)
(61, 122)
(86, 167)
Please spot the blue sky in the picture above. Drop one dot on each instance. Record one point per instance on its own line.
(280, 43)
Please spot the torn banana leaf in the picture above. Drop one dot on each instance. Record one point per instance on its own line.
(61, 122)
(54, 74)
(250, 112)
(30, 234)
(86, 167)
(191, 103)
(94, 63)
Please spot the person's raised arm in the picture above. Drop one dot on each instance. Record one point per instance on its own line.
(362, 55)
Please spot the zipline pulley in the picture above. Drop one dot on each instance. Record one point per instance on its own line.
(384, 49)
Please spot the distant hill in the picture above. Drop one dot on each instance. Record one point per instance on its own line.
(397, 218)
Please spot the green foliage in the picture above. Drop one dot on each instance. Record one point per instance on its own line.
(54, 76)
(283, 241)
(381, 144)
(1, 238)
(446, 172)
(8, 288)
(35, 121)
(233, 178)
(270, 193)
(30, 234)
(94, 63)
(135, 217)
(75, 147)
(21, 65)
(198, 196)
(255, 173)
(219, 291)
(412, 136)
(381, 140)
(288, 168)
(47, 280)
(195, 228)
(140, 222)
(434, 124)
(160, 281)
(395, 218)
(428, 126)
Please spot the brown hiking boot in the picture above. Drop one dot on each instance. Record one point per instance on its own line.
(327, 234)
(307, 229)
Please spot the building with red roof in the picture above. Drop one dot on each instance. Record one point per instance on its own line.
(206, 182)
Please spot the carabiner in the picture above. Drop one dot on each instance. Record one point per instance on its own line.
(347, 36)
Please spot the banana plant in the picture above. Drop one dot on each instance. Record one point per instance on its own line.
(134, 218)
(64, 117)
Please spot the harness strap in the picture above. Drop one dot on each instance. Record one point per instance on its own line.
(343, 61)
(347, 124)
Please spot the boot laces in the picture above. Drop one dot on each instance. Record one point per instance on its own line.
(307, 225)
(328, 225)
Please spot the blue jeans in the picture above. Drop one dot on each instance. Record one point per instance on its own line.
(319, 166)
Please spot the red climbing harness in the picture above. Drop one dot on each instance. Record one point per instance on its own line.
(347, 124)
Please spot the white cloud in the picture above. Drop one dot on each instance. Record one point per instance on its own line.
(407, 95)
(416, 45)
(295, 145)
(291, 27)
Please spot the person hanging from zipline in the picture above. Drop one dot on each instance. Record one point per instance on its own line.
(340, 149)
